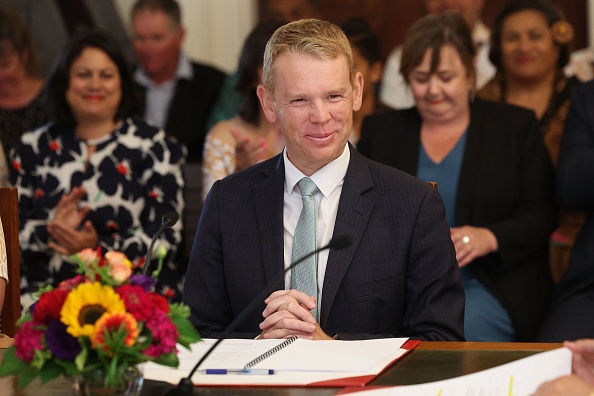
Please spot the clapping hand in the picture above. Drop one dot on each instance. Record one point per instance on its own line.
(248, 151)
(68, 232)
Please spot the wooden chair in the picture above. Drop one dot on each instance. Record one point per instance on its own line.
(9, 213)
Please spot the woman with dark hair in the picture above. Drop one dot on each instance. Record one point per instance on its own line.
(367, 59)
(493, 174)
(530, 46)
(248, 138)
(95, 176)
(21, 107)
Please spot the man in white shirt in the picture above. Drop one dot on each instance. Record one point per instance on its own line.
(394, 91)
(178, 94)
(398, 278)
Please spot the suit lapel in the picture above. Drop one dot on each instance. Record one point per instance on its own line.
(268, 198)
(352, 217)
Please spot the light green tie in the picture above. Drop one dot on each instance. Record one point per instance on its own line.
(304, 276)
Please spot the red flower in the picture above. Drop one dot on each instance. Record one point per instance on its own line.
(160, 302)
(49, 306)
(137, 301)
(39, 193)
(16, 165)
(70, 284)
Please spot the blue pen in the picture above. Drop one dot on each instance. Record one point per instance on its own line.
(239, 371)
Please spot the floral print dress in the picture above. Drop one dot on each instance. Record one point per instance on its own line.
(132, 178)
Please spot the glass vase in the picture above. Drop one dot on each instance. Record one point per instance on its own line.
(93, 383)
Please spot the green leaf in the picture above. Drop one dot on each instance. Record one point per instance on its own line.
(11, 364)
(187, 332)
(26, 376)
(68, 367)
(50, 371)
(81, 359)
(179, 310)
(169, 359)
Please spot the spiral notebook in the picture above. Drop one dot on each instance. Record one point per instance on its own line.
(296, 362)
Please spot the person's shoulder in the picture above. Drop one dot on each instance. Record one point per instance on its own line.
(385, 176)
(584, 90)
(222, 130)
(207, 71)
(499, 111)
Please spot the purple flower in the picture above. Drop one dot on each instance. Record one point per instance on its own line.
(60, 343)
(144, 281)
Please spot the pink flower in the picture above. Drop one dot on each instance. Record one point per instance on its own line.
(120, 272)
(164, 335)
(28, 340)
(88, 256)
(119, 266)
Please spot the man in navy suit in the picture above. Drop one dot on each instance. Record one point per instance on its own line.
(399, 277)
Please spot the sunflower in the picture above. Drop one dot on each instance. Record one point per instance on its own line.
(86, 304)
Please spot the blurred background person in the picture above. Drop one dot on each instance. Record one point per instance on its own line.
(367, 58)
(230, 101)
(21, 106)
(395, 92)
(493, 173)
(178, 93)
(94, 176)
(573, 302)
(53, 22)
(248, 138)
(530, 47)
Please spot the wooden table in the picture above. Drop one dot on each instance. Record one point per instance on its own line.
(430, 361)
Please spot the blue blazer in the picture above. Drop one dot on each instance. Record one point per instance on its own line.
(399, 278)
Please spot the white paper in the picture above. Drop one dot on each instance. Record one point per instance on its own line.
(300, 363)
(518, 378)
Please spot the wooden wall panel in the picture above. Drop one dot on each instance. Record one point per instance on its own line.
(391, 19)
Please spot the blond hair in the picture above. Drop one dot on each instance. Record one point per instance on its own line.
(313, 37)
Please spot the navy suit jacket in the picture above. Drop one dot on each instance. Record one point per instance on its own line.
(399, 278)
(575, 184)
(506, 185)
(190, 107)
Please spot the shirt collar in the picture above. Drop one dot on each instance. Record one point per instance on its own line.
(184, 71)
(326, 178)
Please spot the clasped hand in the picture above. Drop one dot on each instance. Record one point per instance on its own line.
(68, 230)
(288, 314)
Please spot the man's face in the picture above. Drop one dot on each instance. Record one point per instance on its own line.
(313, 102)
(157, 43)
(290, 10)
(469, 9)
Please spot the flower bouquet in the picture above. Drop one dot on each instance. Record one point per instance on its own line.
(106, 318)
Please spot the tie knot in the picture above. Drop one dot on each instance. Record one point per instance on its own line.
(307, 187)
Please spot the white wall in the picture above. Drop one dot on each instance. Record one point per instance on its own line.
(215, 29)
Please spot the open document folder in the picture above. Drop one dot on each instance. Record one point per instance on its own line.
(519, 378)
(295, 363)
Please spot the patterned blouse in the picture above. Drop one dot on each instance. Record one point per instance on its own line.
(218, 162)
(132, 179)
(3, 257)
